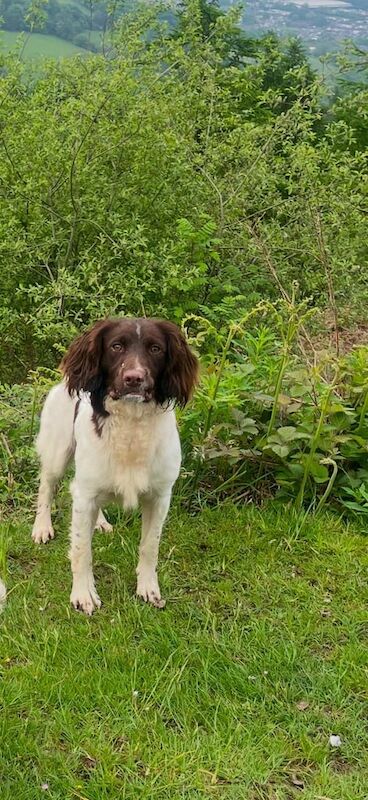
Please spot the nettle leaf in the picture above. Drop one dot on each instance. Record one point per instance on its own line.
(295, 469)
(244, 424)
(342, 420)
(359, 439)
(224, 451)
(249, 426)
(289, 433)
(265, 399)
(283, 400)
(299, 390)
(318, 471)
(352, 449)
(343, 438)
(240, 418)
(279, 449)
(243, 367)
(300, 376)
(339, 408)
(295, 406)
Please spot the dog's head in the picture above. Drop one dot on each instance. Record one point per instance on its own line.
(140, 360)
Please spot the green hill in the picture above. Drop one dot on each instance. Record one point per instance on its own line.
(39, 45)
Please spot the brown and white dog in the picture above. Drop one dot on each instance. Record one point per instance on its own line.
(114, 412)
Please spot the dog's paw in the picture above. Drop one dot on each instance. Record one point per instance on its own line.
(102, 524)
(42, 533)
(85, 598)
(149, 591)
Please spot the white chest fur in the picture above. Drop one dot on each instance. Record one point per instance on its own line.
(130, 437)
(138, 451)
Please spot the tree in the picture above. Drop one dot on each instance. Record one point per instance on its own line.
(351, 98)
(233, 44)
(285, 67)
(14, 17)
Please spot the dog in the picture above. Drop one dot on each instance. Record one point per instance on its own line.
(114, 412)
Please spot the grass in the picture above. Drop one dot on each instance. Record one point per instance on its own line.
(39, 45)
(201, 700)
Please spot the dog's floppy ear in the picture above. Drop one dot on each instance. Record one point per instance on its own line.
(81, 364)
(180, 373)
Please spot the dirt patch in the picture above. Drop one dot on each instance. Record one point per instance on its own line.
(327, 340)
(341, 765)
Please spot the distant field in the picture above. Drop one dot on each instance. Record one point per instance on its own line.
(39, 44)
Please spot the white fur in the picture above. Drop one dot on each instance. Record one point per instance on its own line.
(136, 459)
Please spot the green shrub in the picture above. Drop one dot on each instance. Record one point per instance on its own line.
(157, 180)
(20, 407)
(268, 421)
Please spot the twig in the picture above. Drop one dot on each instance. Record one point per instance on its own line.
(262, 246)
(329, 275)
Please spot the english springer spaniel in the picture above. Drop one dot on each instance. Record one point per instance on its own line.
(114, 412)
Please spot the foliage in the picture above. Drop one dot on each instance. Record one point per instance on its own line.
(351, 100)
(66, 20)
(167, 178)
(19, 412)
(155, 180)
(233, 45)
(267, 419)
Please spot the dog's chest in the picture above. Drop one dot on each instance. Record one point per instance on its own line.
(131, 445)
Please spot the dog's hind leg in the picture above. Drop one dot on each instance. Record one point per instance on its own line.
(102, 524)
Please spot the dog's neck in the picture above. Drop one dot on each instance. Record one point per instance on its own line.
(131, 409)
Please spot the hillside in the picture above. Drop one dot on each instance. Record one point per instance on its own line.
(68, 20)
(39, 45)
(321, 24)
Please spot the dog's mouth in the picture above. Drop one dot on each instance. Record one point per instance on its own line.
(143, 395)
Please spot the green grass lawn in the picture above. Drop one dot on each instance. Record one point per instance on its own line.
(231, 692)
(39, 45)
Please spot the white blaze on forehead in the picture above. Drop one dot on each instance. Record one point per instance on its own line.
(137, 364)
(138, 329)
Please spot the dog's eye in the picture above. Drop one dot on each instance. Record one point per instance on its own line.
(117, 346)
(155, 348)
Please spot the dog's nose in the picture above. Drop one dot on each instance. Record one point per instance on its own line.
(134, 377)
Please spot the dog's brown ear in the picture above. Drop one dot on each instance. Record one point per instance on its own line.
(81, 365)
(180, 374)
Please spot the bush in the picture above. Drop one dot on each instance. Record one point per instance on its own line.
(20, 407)
(84, 40)
(158, 180)
(268, 421)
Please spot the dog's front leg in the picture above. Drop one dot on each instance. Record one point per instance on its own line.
(84, 595)
(154, 512)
